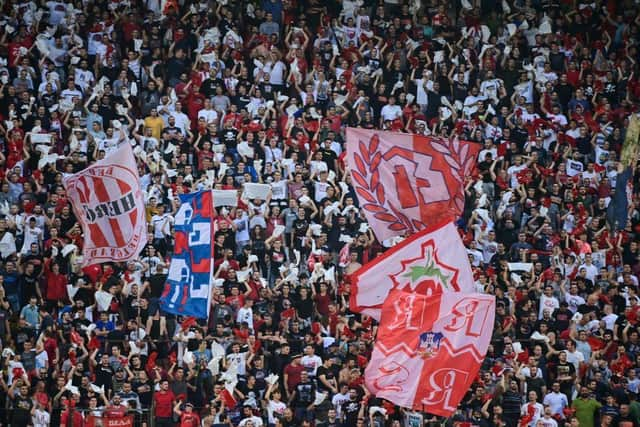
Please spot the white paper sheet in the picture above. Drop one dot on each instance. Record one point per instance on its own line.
(256, 191)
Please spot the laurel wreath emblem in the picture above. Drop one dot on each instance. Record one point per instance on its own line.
(366, 174)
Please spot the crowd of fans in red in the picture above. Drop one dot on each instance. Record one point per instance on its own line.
(215, 94)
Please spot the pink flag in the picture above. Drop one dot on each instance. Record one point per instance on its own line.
(108, 202)
(428, 262)
(406, 182)
(429, 349)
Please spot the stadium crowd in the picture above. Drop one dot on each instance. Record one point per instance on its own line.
(262, 91)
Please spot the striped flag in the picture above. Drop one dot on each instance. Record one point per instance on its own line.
(107, 201)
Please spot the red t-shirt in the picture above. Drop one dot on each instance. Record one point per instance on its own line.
(189, 419)
(164, 403)
(78, 421)
(56, 286)
(294, 375)
(322, 303)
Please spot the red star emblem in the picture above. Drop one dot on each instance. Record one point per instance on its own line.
(426, 274)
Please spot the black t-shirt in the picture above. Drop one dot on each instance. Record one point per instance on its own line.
(300, 227)
(229, 138)
(277, 258)
(350, 410)
(460, 91)
(328, 375)
(305, 394)
(329, 157)
(208, 87)
(21, 411)
(563, 318)
(29, 283)
(104, 375)
(564, 370)
(4, 315)
(304, 307)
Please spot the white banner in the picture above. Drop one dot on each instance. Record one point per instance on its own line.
(225, 198)
(40, 138)
(256, 191)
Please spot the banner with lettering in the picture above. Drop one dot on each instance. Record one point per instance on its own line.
(108, 202)
(93, 421)
(406, 182)
(188, 288)
(429, 349)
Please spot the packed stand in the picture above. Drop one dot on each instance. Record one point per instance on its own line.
(216, 94)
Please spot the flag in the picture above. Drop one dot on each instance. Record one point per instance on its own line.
(107, 201)
(227, 395)
(629, 152)
(429, 349)
(406, 182)
(622, 198)
(188, 288)
(428, 262)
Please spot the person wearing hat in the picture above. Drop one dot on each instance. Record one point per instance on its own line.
(188, 418)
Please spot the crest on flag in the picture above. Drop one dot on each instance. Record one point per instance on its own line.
(407, 182)
(430, 348)
(427, 263)
(107, 201)
(429, 343)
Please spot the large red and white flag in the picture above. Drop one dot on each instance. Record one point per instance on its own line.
(406, 182)
(108, 202)
(429, 349)
(429, 262)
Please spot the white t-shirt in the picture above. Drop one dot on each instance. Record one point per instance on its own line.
(321, 190)
(275, 409)
(557, 402)
(576, 358)
(182, 121)
(421, 93)
(538, 410)
(84, 78)
(69, 94)
(279, 190)
(337, 402)
(592, 271)
(513, 173)
(31, 235)
(574, 301)
(574, 168)
(240, 359)
(209, 115)
(311, 364)
(390, 112)
(257, 421)
(40, 418)
(610, 320)
(548, 303)
(159, 222)
(245, 315)
(108, 145)
(57, 11)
